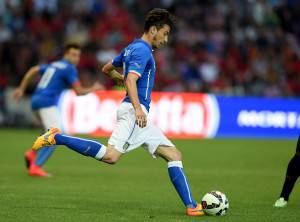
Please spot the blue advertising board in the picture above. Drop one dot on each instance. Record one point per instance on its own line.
(258, 117)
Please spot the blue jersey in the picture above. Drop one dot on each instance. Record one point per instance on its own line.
(56, 77)
(138, 58)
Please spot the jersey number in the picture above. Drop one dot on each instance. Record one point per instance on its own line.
(46, 77)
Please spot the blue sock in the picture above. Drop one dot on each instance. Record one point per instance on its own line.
(180, 183)
(43, 155)
(83, 146)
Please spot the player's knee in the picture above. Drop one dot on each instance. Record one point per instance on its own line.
(111, 156)
(111, 159)
(175, 155)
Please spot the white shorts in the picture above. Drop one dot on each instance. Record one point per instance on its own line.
(50, 117)
(128, 136)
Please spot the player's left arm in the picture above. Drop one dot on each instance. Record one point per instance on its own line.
(110, 70)
(110, 67)
(29, 75)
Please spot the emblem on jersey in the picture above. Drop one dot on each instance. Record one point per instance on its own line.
(127, 51)
(125, 146)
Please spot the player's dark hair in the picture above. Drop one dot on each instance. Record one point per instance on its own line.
(159, 17)
(71, 46)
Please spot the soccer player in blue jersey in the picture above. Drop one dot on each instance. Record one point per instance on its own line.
(55, 77)
(133, 128)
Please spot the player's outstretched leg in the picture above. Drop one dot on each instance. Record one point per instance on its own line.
(179, 180)
(83, 146)
(292, 174)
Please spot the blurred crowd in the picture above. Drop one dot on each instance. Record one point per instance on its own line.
(230, 47)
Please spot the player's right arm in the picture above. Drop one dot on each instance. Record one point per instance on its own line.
(136, 66)
(134, 99)
(30, 74)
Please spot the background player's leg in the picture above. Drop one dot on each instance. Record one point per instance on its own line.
(50, 117)
(177, 175)
(292, 174)
(43, 155)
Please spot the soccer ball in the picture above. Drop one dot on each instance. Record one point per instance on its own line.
(215, 203)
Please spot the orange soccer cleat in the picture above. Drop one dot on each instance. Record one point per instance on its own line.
(37, 171)
(47, 139)
(197, 211)
(29, 157)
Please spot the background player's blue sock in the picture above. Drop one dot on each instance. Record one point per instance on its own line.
(180, 183)
(43, 155)
(83, 146)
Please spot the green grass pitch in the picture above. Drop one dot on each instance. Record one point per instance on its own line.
(250, 172)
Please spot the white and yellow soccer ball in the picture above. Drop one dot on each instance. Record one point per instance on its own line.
(215, 203)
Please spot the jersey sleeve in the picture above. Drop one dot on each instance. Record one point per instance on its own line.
(138, 61)
(43, 68)
(118, 60)
(72, 78)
